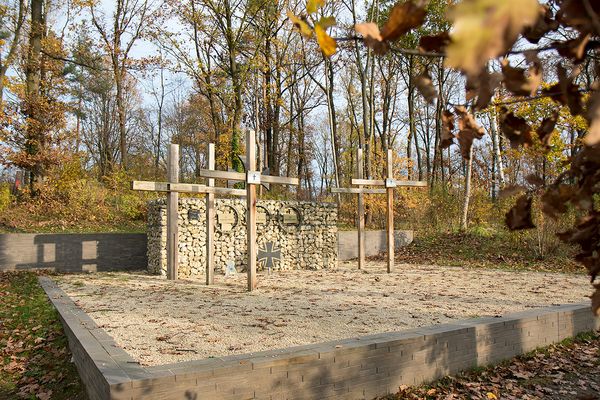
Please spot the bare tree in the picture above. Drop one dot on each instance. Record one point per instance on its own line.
(118, 36)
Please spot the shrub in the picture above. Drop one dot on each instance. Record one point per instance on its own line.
(5, 196)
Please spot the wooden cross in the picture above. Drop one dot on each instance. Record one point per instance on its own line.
(173, 188)
(360, 191)
(390, 184)
(252, 178)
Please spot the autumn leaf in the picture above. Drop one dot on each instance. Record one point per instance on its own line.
(555, 199)
(596, 300)
(519, 216)
(516, 129)
(372, 37)
(327, 22)
(518, 83)
(546, 128)
(535, 180)
(44, 395)
(434, 43)
(369, 30)
(544, 24)
(300, 24)
(326, 43)
(593, 135)
(468, 131)
(447, 129)
(574, 14)
(403, 17)
(574, 49)
(312, 6)
(482, 87)
(510, 191)
(566, 92)
(484, 29)
(425, 86)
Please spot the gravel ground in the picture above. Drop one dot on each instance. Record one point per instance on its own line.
(158, 322)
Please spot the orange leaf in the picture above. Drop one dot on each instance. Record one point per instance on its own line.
(372, 37)
(403, 18)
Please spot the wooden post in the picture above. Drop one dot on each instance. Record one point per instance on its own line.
(172, 214)
(361, 214)
(251, 206)
(390, 213)
(210, 220)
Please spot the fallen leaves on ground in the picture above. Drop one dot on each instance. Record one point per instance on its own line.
(494, 251)
(34, 357)
(569, 370)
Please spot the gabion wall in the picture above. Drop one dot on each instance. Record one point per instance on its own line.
(305, 234)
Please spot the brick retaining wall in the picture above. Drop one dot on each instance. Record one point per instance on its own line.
(73, 252)
(356, 368)
(128, 251)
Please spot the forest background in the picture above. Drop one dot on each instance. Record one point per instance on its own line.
(94, 91)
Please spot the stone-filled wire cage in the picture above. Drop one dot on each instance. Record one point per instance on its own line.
(290, 235)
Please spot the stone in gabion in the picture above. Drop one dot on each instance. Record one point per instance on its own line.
(305, 232)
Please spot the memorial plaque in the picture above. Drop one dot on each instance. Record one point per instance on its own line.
(269, 256)
(291, 216)
(253, 177)
(227, 219)
(262, 215)
(193, 215)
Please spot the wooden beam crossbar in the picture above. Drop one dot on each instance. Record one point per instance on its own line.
(382, 182)
(184, 188)
(358, 191)
(242, 177)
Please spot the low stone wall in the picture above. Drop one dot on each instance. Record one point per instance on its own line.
(355, 368)
(73, 252)
(305, 234)
(375, 243)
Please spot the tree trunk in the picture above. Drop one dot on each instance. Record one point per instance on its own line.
(121, 113)
(438, 168)
(497, 149)
(332, 121)
(467, 194)
(412, 134)
(32, 88)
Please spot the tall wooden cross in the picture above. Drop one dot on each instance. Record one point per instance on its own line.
(360, 192)
(390, 184)
(252, 179)
(173, 188)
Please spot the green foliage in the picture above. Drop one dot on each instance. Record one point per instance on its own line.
(5, 196)
(72, 199)
(132, 206)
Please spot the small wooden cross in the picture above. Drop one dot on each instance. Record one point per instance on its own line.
(360, 191)
(173, 188)
(252, 178)
(390, 184)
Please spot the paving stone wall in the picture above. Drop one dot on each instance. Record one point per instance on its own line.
(304, 232)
